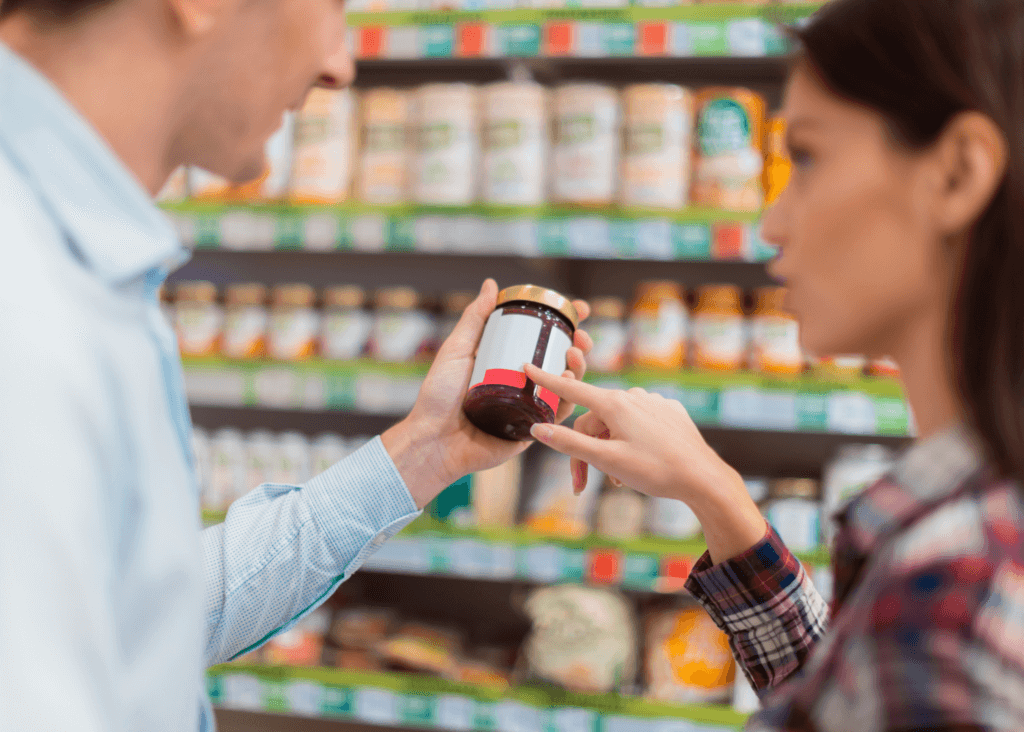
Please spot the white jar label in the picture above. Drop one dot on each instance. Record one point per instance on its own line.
(293, 333)
(198, 327)
(398, 337)
(244, 329)
(776, 343)
(610, 341)
(718, 341)
(659, 338)
(344, 334)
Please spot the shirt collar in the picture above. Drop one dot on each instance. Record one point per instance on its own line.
(926, 474)
(109, 218)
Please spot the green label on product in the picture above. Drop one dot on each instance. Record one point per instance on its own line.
(518, 40)
(207, 231)
(289, 231)
(337, 701)
(438, 40)
(724, 128)
(455, 503)
(892, 416)
(692, 241)
(641, 571)
(619, 39)
(812, 412)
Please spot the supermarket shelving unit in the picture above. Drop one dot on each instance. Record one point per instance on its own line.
(762, 426)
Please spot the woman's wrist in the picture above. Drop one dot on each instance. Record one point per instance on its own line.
(731, 521)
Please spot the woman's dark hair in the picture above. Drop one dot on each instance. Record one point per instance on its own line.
(919, 63)
(60, 11)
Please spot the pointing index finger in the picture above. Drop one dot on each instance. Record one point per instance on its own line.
(575, 391)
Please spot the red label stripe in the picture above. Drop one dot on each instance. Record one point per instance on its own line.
(503, 377)
(549, 397)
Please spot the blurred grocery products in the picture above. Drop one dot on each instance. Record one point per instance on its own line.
(688, 657)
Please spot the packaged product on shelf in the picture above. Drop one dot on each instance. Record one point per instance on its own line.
(326, 450)
(658, 127)
(729, 160)
(794, 511)
(586, 119)
(202, 453)
(273, 184)
(425, 648)
(583, 638)
(361, 628)
(293, 462)
(324, 146)
(245, 321)
(227, 468)
(198, 318)
(658, 326)
(515, 122)
(447, 144)
(854, 468)
(294, 322)
(718, 329)
(400, 332)
(302, 644)
(607, 328)
(346, 324)
(620, 513)
(453, 305)
(688, 657)
(884, 368)
(482, 674)
(774, 335)
(261, 456)
(845, 367)
(552, 508)
(529, 324)
(757, 488)
(350, 660)
(383, 171)
(777, 166)
(671, 519)
(488, 498)
(175, 189)
(204, 185)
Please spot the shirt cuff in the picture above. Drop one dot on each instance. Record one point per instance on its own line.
(765, 601)
(362, 496)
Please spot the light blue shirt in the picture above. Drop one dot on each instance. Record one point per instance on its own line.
(112, 599)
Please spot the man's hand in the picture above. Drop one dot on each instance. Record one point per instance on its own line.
(436, 445)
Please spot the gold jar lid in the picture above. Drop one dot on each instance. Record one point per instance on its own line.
(794, 488)
(770, 301)
(196, 291)
(294, 295)
(248, 293)
(344, 296)
(397, 298)
(455, 303)
(720, 298)
(608, 307)
(542, 296)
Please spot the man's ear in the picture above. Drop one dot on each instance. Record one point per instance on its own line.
(972, 158)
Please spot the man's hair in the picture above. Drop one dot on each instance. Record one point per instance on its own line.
(50, 10)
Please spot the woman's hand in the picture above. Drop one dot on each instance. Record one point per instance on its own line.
(650, 443)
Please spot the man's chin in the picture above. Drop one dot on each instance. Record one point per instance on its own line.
(251, 171)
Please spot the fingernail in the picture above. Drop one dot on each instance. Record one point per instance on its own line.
(542, 432)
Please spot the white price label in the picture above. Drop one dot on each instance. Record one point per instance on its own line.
(455, 713)
(589, 237)
(654, 239)
(276, 388)
(747, 37)
(778, 411)
(852, 413)
(429, 233)
(503, 561)
(740, 407)
(403, 41)
(236, 230)
(214, 387)
(411, 556)
(368, 232)
(573, 719)
(511, 716)
(468, 234)
(544, 563)
(320, 232)
(681, 40)
(314, 392)
(264, 229)
(469, 558)
(372, 393)
(242, 692)
(377, 706)
(304, 697)
(628, 724)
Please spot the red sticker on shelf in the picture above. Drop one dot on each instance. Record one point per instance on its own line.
(558, 38)
(472, 40)
(371, 41)
(674, 573)
(605, 567)
(730, 240)
(653, 39)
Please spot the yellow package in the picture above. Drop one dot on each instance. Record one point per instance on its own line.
(688, 657)
(729, 138)
(553, 509)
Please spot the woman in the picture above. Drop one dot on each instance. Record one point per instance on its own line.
(902, 233)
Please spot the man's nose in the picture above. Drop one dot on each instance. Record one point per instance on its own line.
(340, 69)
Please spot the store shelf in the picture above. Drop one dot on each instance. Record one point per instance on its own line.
(648, 564)
(741, 401)
(424, 702)
(717, 31)
(546, 231)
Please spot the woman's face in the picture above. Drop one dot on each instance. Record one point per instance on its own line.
(858, 250)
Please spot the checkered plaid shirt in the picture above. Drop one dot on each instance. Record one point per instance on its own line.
(926, 628)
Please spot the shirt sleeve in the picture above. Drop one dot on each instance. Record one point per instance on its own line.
(282, 550)
(766, 603)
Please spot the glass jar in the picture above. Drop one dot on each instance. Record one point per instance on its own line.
(245, 321)
(400, 333)
(775, 335)
(793, 509)
(345, 327)
(658, 326)
(529, 325)
(719, 338)
(198, 318)
(607, 327)
(294, 323)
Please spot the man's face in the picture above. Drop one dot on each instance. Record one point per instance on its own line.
(261, 60)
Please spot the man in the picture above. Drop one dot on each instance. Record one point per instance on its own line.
(111, 599)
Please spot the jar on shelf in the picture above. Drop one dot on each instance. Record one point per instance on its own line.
(326, 450)
(718, 328)
(729, 161)
(774, 335)
(607, 327)
(346, 324)
(658, 326)
(658, 127)
(515, 122)
(620, 513)
(400, 332)
(294, 322)
(668, 518)
(198, 318)
(586, 154)
(447, 144)
(842, 368)
(245, 321)
(325, 141)
(384, 157)
(793, 509)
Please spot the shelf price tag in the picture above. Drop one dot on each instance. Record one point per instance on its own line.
(242, 691)
(376, 706)
(691, 241)
(605, 567)
(851, 413)
(518, 40)
(277, 388)
(740, 407)
(214, 387)
(321, 232)
(777, 410)
(418, 710)
(337, 702)
(892, 416)
(746, 37)
(640, 572)
(708, 39)
(542, 563)
(619, 39)
(589, 237)
(438, 41)
(572, 719)
(654, 239)
(469, 558)
(455, 713)
(512, 716)
(812, 412)
(304, 697)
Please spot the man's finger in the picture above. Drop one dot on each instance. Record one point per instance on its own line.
(583, 341)
(465, 338)
(582, 309)
(591, 450)
(575, 391)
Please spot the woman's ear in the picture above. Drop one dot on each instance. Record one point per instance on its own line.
(971, 154)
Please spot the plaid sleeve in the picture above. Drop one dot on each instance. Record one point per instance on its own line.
(765, 601)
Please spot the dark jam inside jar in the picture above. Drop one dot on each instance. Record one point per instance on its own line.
(508, 410)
